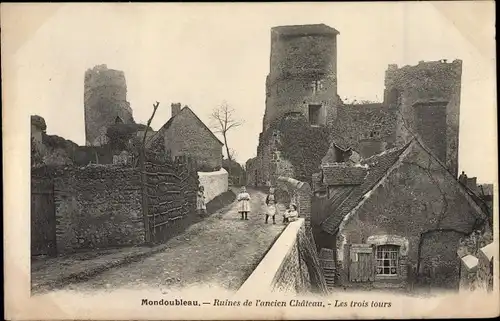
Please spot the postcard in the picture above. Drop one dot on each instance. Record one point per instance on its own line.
(234, 161)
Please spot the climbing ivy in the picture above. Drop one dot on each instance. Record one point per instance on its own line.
(301, 144)
(121, 134)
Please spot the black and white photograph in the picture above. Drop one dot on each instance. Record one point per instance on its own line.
(250, 160)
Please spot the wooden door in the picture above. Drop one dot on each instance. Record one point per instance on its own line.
(361, 263)
(43, 219)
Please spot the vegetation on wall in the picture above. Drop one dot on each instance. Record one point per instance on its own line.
(121, 134)
(301, 144)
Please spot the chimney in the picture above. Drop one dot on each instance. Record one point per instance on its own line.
(176, 108)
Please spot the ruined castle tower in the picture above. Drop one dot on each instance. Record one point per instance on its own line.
(105, 103)
(427, 97)
(303, 73)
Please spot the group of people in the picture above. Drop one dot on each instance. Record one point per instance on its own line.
(271, 207)
(243, 199)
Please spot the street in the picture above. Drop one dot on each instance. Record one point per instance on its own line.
(221, 250)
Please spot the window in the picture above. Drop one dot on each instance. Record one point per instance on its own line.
(317, 86)
(118, 120)
(387, 260)
(314, 114)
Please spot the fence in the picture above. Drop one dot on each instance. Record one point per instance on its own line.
(169, 195)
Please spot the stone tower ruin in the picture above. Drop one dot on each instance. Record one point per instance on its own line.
(303, 73)
(105, 103)
(427, 97)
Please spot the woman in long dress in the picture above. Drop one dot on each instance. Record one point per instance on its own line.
(243, 203)
(200, 201)
(271, 205)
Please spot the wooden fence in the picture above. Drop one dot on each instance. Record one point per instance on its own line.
(169, 196)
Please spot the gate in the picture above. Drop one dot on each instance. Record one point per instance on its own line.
(43, 218)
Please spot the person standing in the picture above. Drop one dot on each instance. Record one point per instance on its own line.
(200, 201)
(243, 203)
(271, 205)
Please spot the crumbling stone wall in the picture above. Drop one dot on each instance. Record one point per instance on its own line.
(427, 83)
(303, 71)
(105, 99)
(369, 128)
(97, 207)
(476, 255)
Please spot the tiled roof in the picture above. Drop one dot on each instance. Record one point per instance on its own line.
(378, 165)
(305, 30)
(341, 174)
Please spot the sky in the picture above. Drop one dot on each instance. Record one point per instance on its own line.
(204, 54)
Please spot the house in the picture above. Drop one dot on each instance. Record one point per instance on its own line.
(185, 135)
(394, 219)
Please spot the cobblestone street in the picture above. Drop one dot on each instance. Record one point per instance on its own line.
(221, 250)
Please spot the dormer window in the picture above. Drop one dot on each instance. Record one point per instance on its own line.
(118, 120)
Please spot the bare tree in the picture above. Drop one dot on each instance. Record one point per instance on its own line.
(232, 153)
(224, 121)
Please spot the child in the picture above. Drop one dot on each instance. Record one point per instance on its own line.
(244, 203)
(200, 201)
(271, 205)
(291, 214)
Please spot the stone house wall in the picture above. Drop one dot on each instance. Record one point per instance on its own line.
(429, 211)
(187, 136)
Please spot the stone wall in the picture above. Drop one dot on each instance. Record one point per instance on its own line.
(476, 253)
(188, 136)
(97, 207)
(215, 183)
(105, 99)
(427, 83)
(282, 269)
(369, 128)
(303, 71)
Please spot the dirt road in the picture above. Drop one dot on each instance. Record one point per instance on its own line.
(221, 250)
